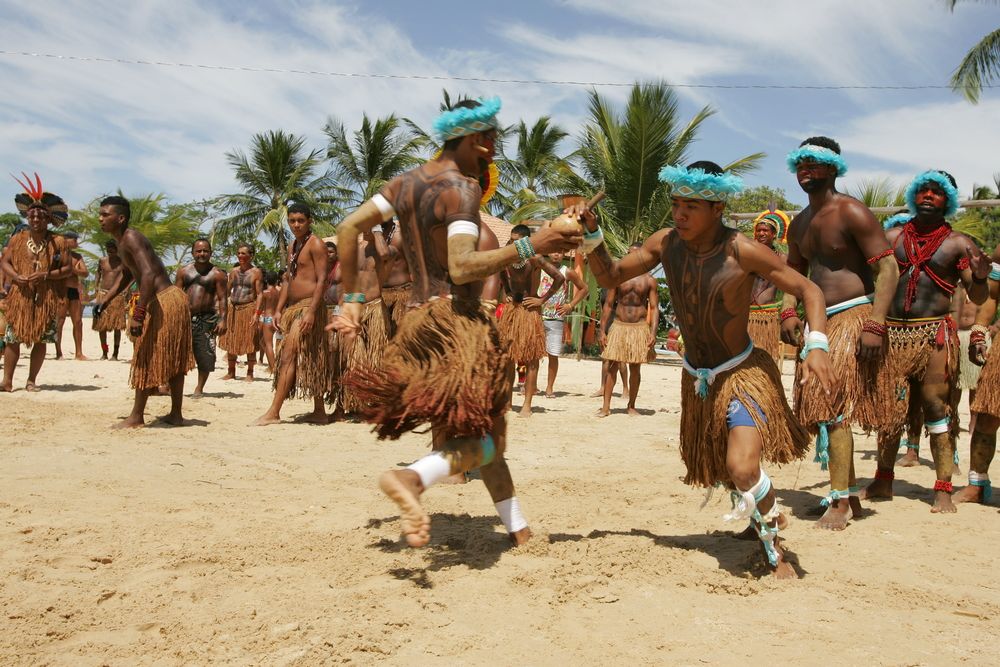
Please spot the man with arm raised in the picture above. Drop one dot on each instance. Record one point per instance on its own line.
(446, 364)
(733, 409)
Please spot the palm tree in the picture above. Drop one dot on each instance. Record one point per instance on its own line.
(376, 153)
(278, 170)
(879, 192)
(622, 154)
(530, 176)
(979, 66)
(170, 228)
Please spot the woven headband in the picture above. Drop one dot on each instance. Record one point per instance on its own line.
(816, 154)
(699, 184)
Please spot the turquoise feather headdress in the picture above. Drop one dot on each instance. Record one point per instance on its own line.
(461, 121)
(699, 184)
(939, 179)
(816, 154)
(896, 220)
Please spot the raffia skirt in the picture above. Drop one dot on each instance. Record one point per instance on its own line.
(912, 344)
(334, 391)
(241, 329)
(968, 372)
(446, 366)
(114, 315)
(853, 392)
(764, 328)
(704, 428)
(312, 358)
(163, 350)
(523, 331)
(628, 343)
(367, 348)
(988, 390)
(396, 300)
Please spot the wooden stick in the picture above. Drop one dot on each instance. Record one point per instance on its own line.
(595, 200)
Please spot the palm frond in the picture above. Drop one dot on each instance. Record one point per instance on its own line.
(979, 67)
(746, 164)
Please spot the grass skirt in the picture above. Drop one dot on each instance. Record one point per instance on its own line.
(912, 344)
(446, 366)
(396, 300)
(968, 372)
(241, 329)
(522, 329)
(114, 315)
(764, 328)
(367, 348)
(312, 359)
(163, 350)
(988, 391)
(705, 434)
(628, 342)
(334, 392)
(853, 392)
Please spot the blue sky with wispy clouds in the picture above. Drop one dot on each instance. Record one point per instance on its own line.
(89, 128)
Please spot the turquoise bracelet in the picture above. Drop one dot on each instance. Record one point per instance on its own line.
(814, 345)
(525, 250)
(354, 297)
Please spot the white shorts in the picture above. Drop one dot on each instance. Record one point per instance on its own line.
(553, 337)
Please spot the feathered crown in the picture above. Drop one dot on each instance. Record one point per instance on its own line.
(34, 195)
(699, 184)
(462, 121)
(820, 154)
(938, 178)
(778, 220)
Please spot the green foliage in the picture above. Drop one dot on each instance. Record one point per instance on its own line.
(979, 67)
(758, 199)
(982, 224)
(8, 221)
(879, 192)
(366, 161)
(277, 170)
(530, 175)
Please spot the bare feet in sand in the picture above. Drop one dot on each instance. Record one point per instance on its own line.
(171, 419)
(880, 489)
(313, 418)
(910, 459)
(31, 386)
(81, 357)
(7, 388)
(267, 419)
(970, 494)
(783, 570)
(943, 503)
(632, 412)
(601, 413)
(228, 376)
(836, 516)
(403, 488)
(597, 394)
(856, 510)
(521, 537)
(524, 412)
(129, 422)
(248, 378)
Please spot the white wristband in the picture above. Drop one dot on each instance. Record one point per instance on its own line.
(817, 337)
(384, 207)
(460, 227)
(510, 513)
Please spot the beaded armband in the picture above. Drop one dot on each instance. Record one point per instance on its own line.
(877, 328)
(884, 253)
(787, 314)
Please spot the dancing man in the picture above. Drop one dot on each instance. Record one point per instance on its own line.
(922, 355)
(733, 408)
(630, 339)
(300, 318)
(765, 326)
(113, 316)
(34, 262)
(160, 322)
(246, 290)
(446, 365)
(205, 286)
(840, 245)
(521, 321)
(985, 407)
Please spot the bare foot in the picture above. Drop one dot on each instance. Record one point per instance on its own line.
(549, 394)
(267, 419)
(248, 378)
(104, 357)
(943, 503)
(313, 418)
(197, 393)
(521, 537)
(602, 413)
(403, 488)
(336, 416)
(171, 419)
(856, 509)
(228, 376)
(970, 494)
(31, 386)
(910, 459)
(783, 570)
(880, 489)
(597, 394)
(81, 357)
(129, 422)
(7, 388)
(632, 412)
(114, 358)
(524, 412)
(836, 516)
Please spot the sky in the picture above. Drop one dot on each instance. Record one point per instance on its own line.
(89, 128)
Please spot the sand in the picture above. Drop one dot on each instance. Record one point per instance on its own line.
(225, 543)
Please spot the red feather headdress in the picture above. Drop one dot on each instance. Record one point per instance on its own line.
(35, 195)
